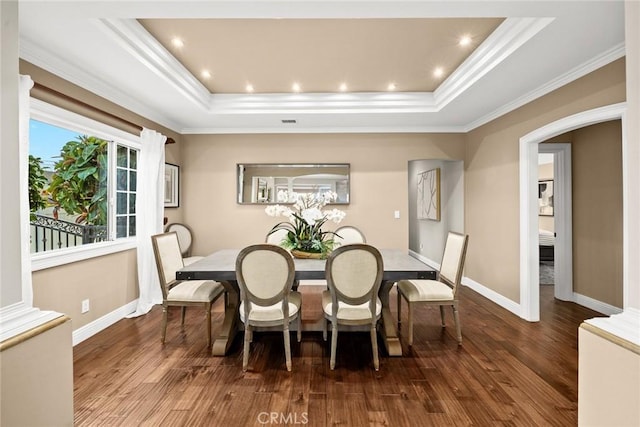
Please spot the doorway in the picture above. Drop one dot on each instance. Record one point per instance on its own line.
(529, 146)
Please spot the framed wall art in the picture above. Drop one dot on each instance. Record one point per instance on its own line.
(545, 198)
(429, 195)
(171, 185)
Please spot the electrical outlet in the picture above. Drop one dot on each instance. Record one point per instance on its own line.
(396, 214)
(85, 305)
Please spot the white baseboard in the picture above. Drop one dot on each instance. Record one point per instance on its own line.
(431, 263)
(596, 305)
(103, 323)
(492, 295)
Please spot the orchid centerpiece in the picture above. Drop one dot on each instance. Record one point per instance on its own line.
(306, 218)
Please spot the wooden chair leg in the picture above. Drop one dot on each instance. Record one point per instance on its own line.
(398, 305)
(247, 344)
(182, 315)
(456, 319)
(208, 308)
(442, 315)
(299, 327)
(410, 304)
(374, 346)
(334, 345)
(287, 347)
(164, 322)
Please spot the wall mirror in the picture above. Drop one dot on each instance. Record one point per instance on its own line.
(261, 183)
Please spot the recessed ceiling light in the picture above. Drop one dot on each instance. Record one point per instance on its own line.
(249, 87)
(438, 72)
(343, 87)
(296, 87)
(464, 41)
(205, 74)
(392, 86)
(177, 42)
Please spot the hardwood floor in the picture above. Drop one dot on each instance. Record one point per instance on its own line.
(507, 372)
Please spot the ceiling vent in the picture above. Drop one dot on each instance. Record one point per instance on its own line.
(289, 121)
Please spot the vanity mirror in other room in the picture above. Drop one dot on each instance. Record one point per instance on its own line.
(261, 183)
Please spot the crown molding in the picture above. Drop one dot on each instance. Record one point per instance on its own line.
(582, 70)
(505, 40)
(319, 103)
(31, 52)
(134, 38)
(323, 129)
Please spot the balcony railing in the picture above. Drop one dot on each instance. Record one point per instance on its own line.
(49, 234)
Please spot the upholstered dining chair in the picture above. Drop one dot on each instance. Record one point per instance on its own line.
(442, 292)
(348, 234)
(354, 274)
(179, 293)
(185, 240)
(265, 275)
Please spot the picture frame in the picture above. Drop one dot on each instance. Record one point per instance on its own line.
(171, 185)
(545, 197)
(428, 195)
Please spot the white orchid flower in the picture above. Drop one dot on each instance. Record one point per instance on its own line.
(311, 215)
(335, 215)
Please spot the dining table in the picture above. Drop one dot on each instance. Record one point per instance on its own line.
(220, 266)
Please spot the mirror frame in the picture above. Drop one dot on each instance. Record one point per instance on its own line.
(240, 180)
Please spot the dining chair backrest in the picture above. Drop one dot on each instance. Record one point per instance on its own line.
(349, 234)
(354, 273)
(455, 251)
(168, 259)
(265, 273)
(185, 237)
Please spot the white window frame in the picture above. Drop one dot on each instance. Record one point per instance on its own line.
(57, 116)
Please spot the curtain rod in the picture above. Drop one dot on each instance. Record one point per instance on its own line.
(95, 109)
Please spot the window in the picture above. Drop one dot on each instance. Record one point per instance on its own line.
(82, 184)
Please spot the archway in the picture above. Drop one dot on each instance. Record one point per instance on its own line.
(529, 290)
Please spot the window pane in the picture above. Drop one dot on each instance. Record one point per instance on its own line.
(122, 180)
(132, 226)
(132, 180)
(68, 187)
(133, 159)
(121, 226)
(121, 203)
(132, 203)
(122, 156)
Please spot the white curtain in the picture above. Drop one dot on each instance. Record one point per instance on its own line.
(23, 135)
(149, 212)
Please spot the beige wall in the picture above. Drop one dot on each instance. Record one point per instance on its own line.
(609, 376)
(597, 212)
(378, 181)
(109, 282)
(492, 175)
(37, 379)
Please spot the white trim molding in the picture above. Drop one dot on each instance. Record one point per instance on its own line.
(98, 325)
(18, 318)
(595, 305)
(529, 281)
(625, 325)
